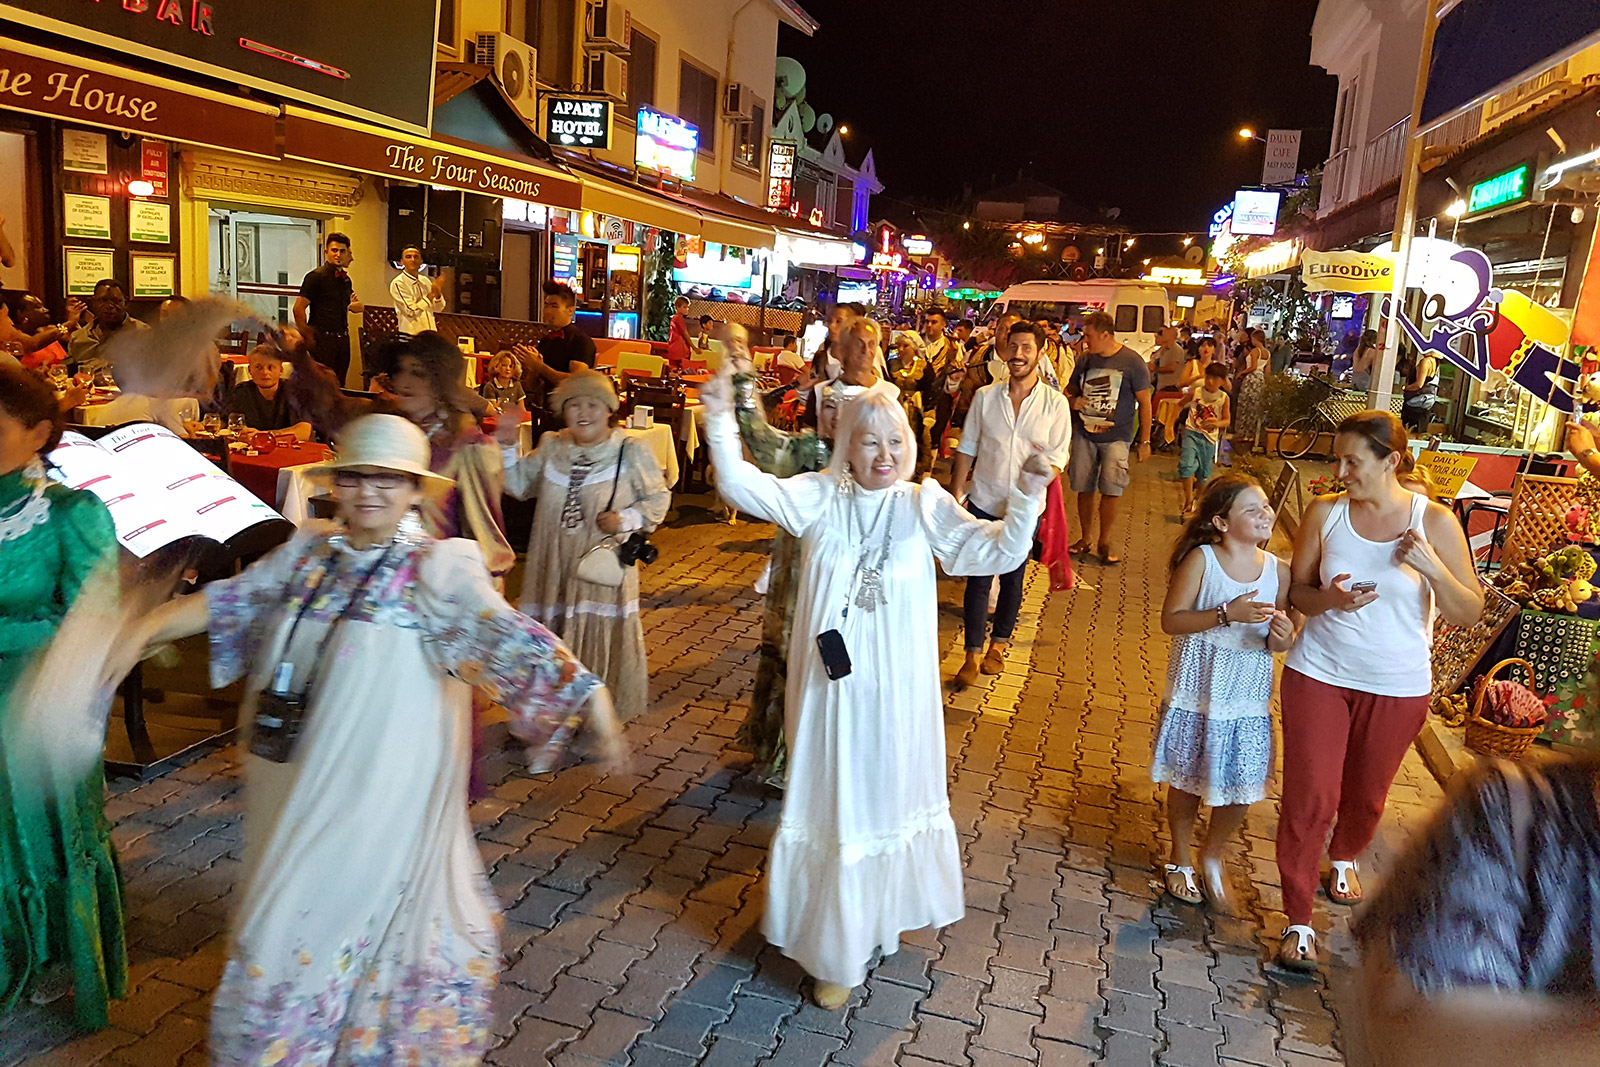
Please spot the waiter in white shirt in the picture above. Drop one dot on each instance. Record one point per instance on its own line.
(415, 298)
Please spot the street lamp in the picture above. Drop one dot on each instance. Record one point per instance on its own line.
(1247, 134)
(844, 131)
(1456, 209)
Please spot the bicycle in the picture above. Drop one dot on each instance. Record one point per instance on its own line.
(1297, 439)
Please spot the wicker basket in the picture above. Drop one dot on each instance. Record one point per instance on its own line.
(1490, 738)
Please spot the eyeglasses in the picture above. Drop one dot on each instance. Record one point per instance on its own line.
(376, 479)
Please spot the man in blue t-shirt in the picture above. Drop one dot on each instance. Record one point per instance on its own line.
(1110, 391)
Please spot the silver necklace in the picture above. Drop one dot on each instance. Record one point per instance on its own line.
(869, 577)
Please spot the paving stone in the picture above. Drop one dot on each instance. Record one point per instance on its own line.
(942, 1040)
(1130, 1050)
(1190, 1047)
(645, 993)
(572, 1001)
(1057, 1054)
(805, 1048)
(1018, 990)
(955, 996)
(1251, 1042)
(871, 1045)
(684, 1028)
(756, 1020)
(889, 1004)
(609, 1037)
(1007, 1031)
(1071, 1021)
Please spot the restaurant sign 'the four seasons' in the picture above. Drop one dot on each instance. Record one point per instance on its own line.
(320, 52)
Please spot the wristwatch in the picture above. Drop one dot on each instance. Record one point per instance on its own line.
(1586, 453)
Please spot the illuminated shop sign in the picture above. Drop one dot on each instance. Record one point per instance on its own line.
(1502, 190)
(577, 123)
(666, 144)
(918, 245)
(780, 174)
(1255, 211)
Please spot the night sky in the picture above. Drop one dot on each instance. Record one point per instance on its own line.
(1134, 104)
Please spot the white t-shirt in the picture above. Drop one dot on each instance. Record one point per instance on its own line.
(1000, 439)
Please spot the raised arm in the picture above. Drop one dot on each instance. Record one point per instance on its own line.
(967, 545)
(774, 450)
(793, 503)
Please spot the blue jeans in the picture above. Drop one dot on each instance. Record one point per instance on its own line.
(975, 604)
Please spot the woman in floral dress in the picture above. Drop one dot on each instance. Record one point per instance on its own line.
(61, 916)
(366, 932)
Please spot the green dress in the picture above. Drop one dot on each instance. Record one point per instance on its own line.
(780, 454)
(60, 886)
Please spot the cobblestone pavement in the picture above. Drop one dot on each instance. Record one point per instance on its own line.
(632, 904)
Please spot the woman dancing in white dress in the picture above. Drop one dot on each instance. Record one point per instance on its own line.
(866, 848)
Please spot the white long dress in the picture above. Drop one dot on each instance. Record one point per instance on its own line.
(367, 931)
(866, 848)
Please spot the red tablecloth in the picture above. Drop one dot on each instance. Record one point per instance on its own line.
(259, 474)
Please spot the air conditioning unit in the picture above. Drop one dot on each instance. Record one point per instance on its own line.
(606, 27)
(515, 64)
(608, 76)
(737, 101)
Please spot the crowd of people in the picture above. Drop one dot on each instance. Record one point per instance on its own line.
(373, 647)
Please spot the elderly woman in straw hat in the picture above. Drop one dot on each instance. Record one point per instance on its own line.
(366, 930)
(596, 490)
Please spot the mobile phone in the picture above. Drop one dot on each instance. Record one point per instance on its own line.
(1364, 587)
(835, 658)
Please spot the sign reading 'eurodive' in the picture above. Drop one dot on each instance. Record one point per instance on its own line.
(577, 123)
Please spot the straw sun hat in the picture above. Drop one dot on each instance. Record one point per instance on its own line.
(387, 442)
(584, 383)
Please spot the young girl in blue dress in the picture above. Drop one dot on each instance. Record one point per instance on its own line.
(1227, 608)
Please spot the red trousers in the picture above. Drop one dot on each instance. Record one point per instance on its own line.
(1341, 751)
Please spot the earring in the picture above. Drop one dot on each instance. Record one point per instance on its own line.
(845, 478)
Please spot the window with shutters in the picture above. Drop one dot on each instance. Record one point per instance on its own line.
(550, 26)
(747, 153)
(697, 103)
(641, 71)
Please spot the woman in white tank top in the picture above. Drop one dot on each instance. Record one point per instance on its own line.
(1371, 567)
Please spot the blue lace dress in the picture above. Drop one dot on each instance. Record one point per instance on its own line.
(1215, 739)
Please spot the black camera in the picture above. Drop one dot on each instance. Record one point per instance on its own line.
(276, 728)
(637, 549)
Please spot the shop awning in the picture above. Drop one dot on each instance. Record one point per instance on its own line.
(317, 138)
(607, 197)
(42, 81)
(732, 222)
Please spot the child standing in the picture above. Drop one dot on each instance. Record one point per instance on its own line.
(1208, 414)
(1227, 605)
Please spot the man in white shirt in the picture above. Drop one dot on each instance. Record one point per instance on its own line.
(1009, 420)
(415, 297)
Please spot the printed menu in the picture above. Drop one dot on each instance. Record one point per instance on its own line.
(158, 489)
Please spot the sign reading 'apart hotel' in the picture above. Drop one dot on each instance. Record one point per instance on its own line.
(43, 82)
(425, 162)
(569, 120)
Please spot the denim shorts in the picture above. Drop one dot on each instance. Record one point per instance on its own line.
(1098, 466)
(1198, 454)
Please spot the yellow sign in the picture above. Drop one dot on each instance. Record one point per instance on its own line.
(1449, 471)
(1346, 272)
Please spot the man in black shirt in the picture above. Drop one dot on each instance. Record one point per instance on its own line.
(262, 400)
(548, 365)
(326, 300)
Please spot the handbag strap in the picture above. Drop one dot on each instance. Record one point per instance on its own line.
(616, 477)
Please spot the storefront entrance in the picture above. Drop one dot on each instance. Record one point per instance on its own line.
(259, 259)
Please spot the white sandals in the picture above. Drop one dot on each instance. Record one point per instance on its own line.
(1303, 960)
(1182, 887)
(1344, 887)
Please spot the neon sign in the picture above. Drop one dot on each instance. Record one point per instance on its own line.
(1501, 190)
(780, 174)
(666, 144)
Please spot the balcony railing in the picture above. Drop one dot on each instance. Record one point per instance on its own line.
(1383, 157)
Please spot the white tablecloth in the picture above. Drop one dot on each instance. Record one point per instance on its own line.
(657, 438)
(132, 407)
(295, 490)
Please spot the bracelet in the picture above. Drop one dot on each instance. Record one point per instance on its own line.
(1222, 615)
